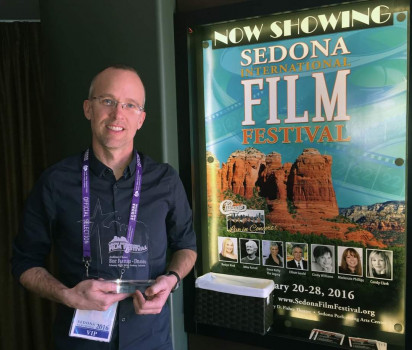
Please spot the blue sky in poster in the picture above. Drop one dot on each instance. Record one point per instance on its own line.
(363, 169)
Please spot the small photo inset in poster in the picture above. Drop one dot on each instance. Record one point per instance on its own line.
(249, 251)
(228, 249)
(379, 264)
(297, 255)
(350, 261)
(248, 221)
(272, 253)
(323, 258)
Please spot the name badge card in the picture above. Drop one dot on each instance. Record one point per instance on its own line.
(94, 325)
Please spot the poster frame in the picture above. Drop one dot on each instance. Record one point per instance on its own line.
(192, 160)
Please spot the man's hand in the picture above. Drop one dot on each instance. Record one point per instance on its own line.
(87, 295)
(92, 295)
(156, 296)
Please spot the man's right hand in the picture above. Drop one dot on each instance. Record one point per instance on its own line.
(86, 295)
(92, 295)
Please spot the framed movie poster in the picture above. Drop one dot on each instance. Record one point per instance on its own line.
(301, 125)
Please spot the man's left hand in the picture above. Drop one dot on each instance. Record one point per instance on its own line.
(155, 296)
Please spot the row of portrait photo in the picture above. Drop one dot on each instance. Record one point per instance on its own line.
(302, 256)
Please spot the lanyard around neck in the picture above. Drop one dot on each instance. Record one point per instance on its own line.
(86, 208)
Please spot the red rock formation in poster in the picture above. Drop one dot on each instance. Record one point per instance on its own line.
(300, 196)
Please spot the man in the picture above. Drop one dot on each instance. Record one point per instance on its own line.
(251, 251)
(111, 214)
(297, 262)
(245, 224)
(257, 225)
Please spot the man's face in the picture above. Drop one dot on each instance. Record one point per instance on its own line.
(114, 128)
(250, 248)
(297, 253)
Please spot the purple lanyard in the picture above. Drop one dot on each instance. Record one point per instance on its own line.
(86, 208)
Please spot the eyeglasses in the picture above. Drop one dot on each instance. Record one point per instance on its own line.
(112, 104)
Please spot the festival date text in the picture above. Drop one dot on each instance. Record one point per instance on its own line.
(331, 292)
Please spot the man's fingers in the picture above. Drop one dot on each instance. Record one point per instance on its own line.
(139, 298)
(106, 286)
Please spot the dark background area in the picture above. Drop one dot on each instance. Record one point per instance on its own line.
(62, 63)
(30, 9)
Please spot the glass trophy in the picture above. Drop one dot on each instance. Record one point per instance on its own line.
(125, 263)
(130, 286)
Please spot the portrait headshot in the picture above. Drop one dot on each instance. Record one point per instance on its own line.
(323, 258)
(228, 249)
(272, 253)
(250, 251)
(350, 261)
(380, 263)
(296, 256)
